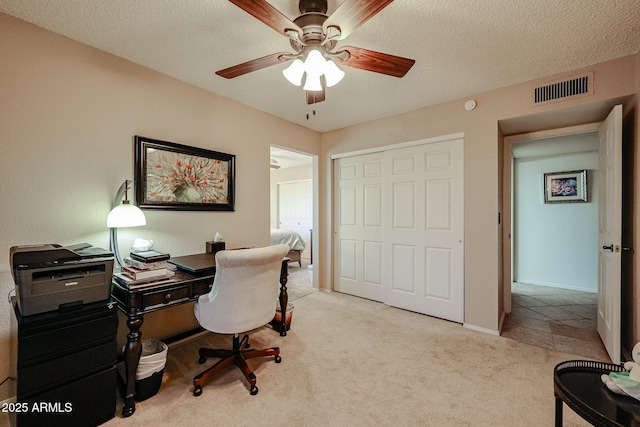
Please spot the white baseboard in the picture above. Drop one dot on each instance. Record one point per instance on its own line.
(501, 322)
(480, 329)
(557, 286)
(187, 339)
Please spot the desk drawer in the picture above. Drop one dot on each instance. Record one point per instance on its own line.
(202, 287)
(58, 339)
(165, 297)
(61, 370)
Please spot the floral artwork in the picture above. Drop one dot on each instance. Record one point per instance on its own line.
(180, 178)
(174, 176)
(568, 186)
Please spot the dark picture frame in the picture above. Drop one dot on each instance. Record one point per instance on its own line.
(179, 177)
(565, 187)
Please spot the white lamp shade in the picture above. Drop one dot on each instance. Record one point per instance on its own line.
(315, 63)
(314, 66)
(125, 215)
(332, 73)
(294, 72)
(312, 83)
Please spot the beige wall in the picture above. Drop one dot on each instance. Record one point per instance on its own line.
(68, 114)
(503, 110)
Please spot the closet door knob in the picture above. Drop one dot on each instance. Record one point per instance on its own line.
(610, 247)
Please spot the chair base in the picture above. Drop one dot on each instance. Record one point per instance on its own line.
(236, 356)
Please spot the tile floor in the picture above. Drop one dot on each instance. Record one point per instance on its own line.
(556, 319)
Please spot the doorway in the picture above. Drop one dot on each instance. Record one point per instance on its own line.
(554, 260)
(609, 213)
(293, 191)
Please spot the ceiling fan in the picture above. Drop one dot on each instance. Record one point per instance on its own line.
(314, 31)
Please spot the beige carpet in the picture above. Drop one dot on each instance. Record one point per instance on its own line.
(353, 362)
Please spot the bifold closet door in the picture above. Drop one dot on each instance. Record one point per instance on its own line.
(359, 235)
(399, 228)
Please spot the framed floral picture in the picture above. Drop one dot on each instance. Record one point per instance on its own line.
(175, 176)
(564, 187)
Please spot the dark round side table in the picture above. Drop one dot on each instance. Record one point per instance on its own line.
(577, 383)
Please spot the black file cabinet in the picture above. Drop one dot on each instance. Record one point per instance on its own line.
(66, 367)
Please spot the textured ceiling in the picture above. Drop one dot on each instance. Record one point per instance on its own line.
(461, 47)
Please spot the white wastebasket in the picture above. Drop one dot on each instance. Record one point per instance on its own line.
(151, 368)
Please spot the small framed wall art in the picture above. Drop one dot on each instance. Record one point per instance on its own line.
(565, 187)
(175, 176)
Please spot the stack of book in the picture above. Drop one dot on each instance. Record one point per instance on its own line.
(145, 268)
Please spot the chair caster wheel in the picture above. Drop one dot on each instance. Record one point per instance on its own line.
(278, 359)
(197, 391)
(202, 360)
(254, 390)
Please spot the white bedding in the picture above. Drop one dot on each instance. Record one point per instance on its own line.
(287, 237)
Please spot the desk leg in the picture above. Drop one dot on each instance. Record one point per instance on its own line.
(558, 412)
(132, 352)
(284, 297)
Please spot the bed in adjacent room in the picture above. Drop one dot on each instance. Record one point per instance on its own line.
(291, 238)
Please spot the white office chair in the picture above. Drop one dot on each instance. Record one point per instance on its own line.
(243, 297)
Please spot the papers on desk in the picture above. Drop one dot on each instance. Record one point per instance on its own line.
(131, 283)
(137, 274)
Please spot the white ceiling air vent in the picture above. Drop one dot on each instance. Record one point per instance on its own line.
(559, 90)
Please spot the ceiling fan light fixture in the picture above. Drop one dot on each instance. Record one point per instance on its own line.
(294, 72)
(314, 36)
(313, 83)
(332, 73)
(314, 67)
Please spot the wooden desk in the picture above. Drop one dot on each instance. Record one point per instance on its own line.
(135, 303)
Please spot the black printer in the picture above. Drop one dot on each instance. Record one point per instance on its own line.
(52, 277)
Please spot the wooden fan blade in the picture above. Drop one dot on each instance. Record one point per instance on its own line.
(253, 65)
(353, 13)
(267, 14)
(377, 62)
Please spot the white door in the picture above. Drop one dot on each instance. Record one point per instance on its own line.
(399, 231)
(359, 236)
(610, 232)
(423, 238)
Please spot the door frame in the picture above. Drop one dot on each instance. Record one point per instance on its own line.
(508, 192)
(315, 185)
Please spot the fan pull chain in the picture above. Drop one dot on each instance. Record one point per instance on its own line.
(314, 113)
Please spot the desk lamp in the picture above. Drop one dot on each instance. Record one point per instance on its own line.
(123, 214)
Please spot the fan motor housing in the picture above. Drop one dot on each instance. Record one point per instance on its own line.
(311, 25)
(306, 6)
